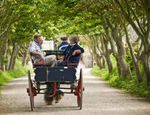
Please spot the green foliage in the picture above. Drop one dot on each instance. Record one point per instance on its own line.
(9, 75)
(20, 19)
(129, 61)
(127, 85)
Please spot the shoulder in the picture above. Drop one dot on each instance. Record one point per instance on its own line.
(68, 47)
(33, 43)
(64, 43)
(63, 46)
(78, 46)
(34, 46)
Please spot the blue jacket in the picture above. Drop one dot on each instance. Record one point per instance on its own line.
(63, 46)
(69, 50)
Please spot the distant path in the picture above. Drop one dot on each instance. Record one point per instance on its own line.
(99, 99)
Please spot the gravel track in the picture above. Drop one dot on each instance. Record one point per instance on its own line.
(99, 99)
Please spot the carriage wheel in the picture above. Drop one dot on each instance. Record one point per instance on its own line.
(31, 91)
(80, 90)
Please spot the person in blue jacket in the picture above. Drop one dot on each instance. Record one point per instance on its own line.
(72, 55)
(73, 52)
(64, 44)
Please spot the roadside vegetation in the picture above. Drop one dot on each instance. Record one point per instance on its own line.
(18, 71)
(127, 85)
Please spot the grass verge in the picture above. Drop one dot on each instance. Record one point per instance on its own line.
(127, 85)
(6, 76)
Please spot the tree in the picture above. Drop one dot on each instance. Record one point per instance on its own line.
(140, 21)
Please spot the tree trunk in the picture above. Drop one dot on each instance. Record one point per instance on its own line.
(98, 58)
(111, 34)
(146, 53)
(107, 56)
(4, 49)
(137, 70)
(144, 36)
(146, 65)
(97, 53)
(145, 56)
(24, 58)
(124, 69)
(14, 54)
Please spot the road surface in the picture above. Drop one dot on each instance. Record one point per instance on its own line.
(99, 99)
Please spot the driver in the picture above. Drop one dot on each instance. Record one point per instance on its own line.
(37, 55)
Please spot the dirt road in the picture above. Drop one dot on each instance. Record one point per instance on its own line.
(99, 99)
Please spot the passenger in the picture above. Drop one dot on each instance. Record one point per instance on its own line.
(37, 55)
(71, 56)
(73, 52)
(64, 44)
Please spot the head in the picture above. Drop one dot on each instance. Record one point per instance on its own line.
(64, 38)
(38, 39)
(74, 40)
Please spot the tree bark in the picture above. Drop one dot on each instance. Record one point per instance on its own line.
(4, 49)
(146, 52)
(24, 58)
(97, 51)
(107, 56)
(122, 66)
(14, 54)
(135, 62)
(124, 69)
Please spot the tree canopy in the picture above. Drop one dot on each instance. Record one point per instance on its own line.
(104, 25)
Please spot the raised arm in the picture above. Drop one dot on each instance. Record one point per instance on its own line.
(78, 51)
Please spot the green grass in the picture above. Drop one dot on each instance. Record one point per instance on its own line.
(127, 85)
(6, 76)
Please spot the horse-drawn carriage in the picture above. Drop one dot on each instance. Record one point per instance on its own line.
(45, 75)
